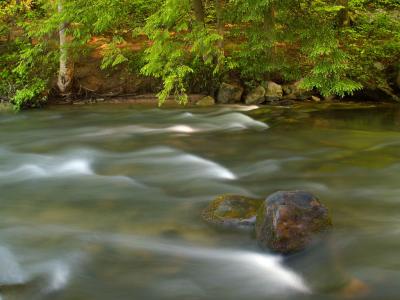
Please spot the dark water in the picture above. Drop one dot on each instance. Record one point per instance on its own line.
(103, 202)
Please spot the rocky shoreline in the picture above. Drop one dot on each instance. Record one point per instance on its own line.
(267, 93)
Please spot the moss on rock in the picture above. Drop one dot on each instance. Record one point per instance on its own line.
(232, 210)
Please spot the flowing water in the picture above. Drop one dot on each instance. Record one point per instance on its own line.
(104, 202)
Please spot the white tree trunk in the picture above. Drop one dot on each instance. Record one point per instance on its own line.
(65, 74)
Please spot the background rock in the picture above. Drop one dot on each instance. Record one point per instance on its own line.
(256, 96)
(299, 92)
(206, 101)
(229, 93)
(274, 91)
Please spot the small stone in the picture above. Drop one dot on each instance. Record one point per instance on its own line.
(206, 101)
(315, 99)
(232, 211)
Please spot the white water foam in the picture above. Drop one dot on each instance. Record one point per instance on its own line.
(263, 272)
(181, 129)
(234, 120)
(73, 167)
(383, 146)
(185, 115)
(265, 268)
(181, 164)
(25, 172)
(244, 107)
(196, 123)
(273, 266)
(45, 169)
(65, 166)
(78, 163)
(56, 272)
(59, 276)
(10, 270)
(129, 130)
(205, 167)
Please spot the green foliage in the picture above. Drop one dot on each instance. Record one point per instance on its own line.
(31, 95)
(29, 55)
(179, 46)
(271, 40)
(26, 64)
(113, 55)
(373, 45)
(336, 46)
(23, 79)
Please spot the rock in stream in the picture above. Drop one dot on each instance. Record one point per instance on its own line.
(288, 221)
(232, 211)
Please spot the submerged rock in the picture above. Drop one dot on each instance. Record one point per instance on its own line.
(229, 93)
(287, 221)
(322, 268)
(232, 210)
(355, 288)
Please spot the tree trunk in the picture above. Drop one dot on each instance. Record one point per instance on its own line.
(344, 17)
(269, 29)
(269, 22)
(65, 74)
(219, 6)
(198, 10)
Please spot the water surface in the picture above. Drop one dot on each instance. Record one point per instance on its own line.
(104, 202)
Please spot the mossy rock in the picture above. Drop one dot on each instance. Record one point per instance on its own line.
(206, 101)
(288, 221)
(5, 107)
(229, 93)
(232, 211)
(256, 96)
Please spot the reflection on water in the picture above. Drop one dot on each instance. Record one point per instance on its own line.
(104, 202)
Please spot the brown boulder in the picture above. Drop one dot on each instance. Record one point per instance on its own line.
(288, 221)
